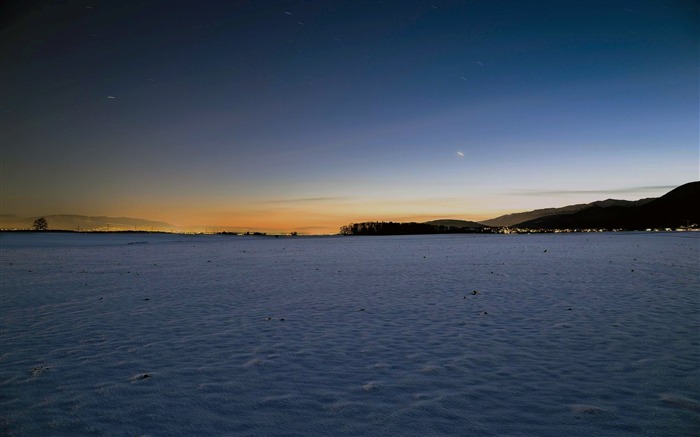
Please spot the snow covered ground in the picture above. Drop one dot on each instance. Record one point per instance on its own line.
(483, 335)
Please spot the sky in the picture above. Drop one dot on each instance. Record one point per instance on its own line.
(308, 115)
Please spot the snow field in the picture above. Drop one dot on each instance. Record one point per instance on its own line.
(490, 335)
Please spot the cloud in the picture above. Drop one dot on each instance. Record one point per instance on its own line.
(629, 190)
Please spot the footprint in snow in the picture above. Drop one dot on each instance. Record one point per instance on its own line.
(140, 377)
(36, 371)
(681, 402)
(586, 410)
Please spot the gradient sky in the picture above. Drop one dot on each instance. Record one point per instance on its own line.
(289, 115)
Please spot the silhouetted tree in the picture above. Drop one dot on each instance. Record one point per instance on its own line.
(41, 224)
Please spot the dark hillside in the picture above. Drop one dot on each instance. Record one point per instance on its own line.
(521, 217)
(679, 207)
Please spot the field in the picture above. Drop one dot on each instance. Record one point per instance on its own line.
(452, 335)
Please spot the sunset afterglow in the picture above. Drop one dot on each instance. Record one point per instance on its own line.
(279, 117)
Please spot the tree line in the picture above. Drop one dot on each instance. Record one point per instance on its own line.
(397, 228)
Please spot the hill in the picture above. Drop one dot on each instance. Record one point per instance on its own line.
(521, 217)
(679, 207)
(459, 224)
(85, 223)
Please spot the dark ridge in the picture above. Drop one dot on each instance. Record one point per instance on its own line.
(521, 217)
(679, 207)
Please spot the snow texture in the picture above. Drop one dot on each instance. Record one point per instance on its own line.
(169, 335)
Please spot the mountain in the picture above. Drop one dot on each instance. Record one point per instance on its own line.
(521, 217)
(679, 207)
(449, 223)
(85, 223)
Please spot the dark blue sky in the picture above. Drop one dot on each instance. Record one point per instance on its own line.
(312, 114)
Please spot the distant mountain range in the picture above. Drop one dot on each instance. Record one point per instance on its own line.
(522, 217)
(85, 223)
(679, 207)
